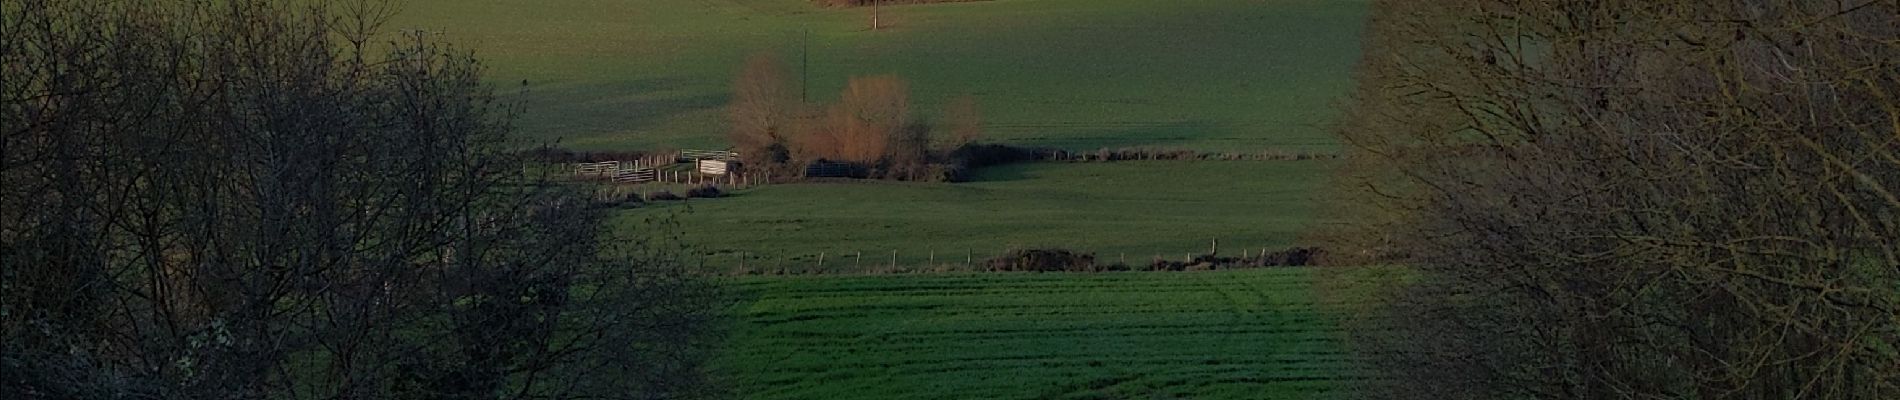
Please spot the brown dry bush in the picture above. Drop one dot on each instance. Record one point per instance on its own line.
(870, 126)
(869, 118)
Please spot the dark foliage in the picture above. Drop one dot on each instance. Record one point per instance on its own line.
(1290, 257)
(1043, 260)
(664, 195)
(705, 192)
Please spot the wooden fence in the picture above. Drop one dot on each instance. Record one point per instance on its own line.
(696, 155)
(709, 167)
(637, 175)
(618, 171)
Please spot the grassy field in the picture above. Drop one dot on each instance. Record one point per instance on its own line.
(1209, 74)
(1206, 335)
(1140, 209)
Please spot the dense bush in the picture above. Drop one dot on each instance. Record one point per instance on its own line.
(1053, 260)
(664, 195)
(1289, 257)
(615, 198)
(1043, 260)
(705, 192)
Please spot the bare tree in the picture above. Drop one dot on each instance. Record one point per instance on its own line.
(1631, 199)
(270, 199)
(763, 108)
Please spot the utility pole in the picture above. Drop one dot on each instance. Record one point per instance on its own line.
(804, 70)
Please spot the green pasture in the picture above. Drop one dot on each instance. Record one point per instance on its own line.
(1206, 74)
(1137, 210)
(1248, 334)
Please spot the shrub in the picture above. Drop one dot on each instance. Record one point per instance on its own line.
(663, 196)
(973, 156)
(613, 199)
(1044, 260)
(705, 192)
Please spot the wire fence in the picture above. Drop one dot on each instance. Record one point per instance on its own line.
(897, 261)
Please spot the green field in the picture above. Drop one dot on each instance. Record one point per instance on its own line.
(1137, 209)
(1207, 335)
(1209, 74)
(1222, 75)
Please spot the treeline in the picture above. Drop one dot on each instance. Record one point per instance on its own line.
(273, 199)
(1629, 199)
(871, 126)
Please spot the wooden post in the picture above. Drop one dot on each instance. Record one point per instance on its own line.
(933, 257)
(968, 257)
(741, 261)
(1213, 247)
(1124, 258)
(857, 261)
(874, 15)
(893, 260)
(821, 260)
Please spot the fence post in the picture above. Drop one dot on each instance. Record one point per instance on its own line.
(857, 261)
(821, 260)
(1213, 247)
(742, 261)
(933, 257)
(968, 256)
(893, 260)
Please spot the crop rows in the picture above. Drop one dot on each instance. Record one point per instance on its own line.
(1227, 334)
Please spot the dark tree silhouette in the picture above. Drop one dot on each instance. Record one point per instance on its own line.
(1630, 199)
(250, 199)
